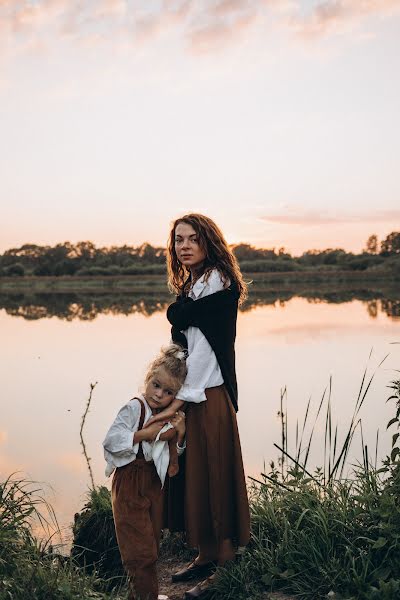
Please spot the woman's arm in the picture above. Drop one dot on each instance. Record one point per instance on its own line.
(148, 434)
(167, 414)
(187, 312)
(201, 365)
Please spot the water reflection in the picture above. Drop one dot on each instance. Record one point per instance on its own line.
(87, 306)
(391, 307)
(47, 365)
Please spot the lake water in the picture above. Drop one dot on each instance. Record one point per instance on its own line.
(53, 347)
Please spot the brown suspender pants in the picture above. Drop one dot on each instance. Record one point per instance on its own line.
(137, 500)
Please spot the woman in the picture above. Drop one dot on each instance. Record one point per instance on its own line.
(204, 273)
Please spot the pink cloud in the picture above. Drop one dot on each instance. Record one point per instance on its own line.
(311, 218)
(218, 33)
(25, 16)
(177, 10)
(340, 16)
(204, 25)
(227, 7)
(111, 8)
(147, 27)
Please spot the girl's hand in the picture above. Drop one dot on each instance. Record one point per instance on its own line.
(165, 415)
(178, 422)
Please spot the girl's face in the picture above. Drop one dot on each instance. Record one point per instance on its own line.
(160, 389)
(187, 247)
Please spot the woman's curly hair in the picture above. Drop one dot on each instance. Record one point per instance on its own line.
(218, 255)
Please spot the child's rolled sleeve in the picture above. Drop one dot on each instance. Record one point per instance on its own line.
(119, 449)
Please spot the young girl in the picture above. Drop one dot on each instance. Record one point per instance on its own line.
(205, 274)
(140, 458)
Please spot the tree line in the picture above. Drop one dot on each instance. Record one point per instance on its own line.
(85, 259)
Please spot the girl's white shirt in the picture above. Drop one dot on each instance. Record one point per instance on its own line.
(202, 365)
(119, 449)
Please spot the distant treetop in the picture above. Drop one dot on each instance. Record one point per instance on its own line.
(84, 258)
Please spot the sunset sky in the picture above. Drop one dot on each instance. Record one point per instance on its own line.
(277, 118)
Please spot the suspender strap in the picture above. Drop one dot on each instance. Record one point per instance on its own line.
(142, 411)
(141, 422)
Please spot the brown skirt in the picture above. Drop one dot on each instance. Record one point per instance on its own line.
(210, 491)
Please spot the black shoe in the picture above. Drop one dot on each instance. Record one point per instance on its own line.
(201, 591)
(193, 570)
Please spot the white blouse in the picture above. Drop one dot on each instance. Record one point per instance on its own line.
(119, 449)
(202, 365)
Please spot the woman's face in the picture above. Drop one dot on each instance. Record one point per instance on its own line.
(187, 247)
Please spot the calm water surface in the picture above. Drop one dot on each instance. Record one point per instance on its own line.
(47, 365)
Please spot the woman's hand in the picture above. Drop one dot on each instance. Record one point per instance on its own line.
(179, 424)
(165, 415)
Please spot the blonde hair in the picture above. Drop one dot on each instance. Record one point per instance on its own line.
(218, 255)
(172, 358)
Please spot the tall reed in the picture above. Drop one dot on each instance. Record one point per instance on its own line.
(319, 534)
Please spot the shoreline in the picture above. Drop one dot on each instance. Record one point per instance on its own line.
(158, 284)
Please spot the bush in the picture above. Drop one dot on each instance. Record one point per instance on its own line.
(42, 271)
(31, 569)
(363, 262)
(269, 266)
(144, 270)
(313, 258)
(95, 545)
(65, 267)
(16, 270)
(393, 264)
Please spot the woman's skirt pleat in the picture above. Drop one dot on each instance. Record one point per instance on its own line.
(215, 497)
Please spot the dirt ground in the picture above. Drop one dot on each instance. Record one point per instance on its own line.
(176, 591)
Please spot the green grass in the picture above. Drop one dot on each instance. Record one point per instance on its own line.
(315, 534)
(32, 569)
(38, 570)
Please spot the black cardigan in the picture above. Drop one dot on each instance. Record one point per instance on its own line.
(215, 315)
